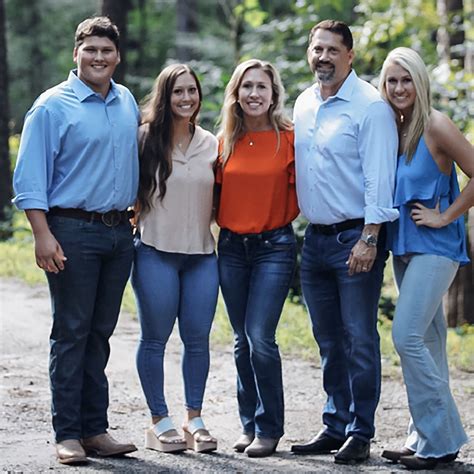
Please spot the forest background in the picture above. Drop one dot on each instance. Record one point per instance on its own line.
(36, 42)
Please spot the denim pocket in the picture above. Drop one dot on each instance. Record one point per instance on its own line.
(280, 240)
(224, 238)
(349, 237)
(141, 247)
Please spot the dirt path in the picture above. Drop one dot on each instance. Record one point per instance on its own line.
(26, 441)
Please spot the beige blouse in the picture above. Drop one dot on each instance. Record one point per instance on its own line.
(180, 223)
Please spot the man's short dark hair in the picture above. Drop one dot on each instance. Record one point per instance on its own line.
(100, 26)
(334, 26)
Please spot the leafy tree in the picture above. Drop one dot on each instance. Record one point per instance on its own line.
(40, 47)
(186, 29)
(453, 88)
(117, 11)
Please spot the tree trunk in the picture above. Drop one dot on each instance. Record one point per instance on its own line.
(459, 303)
(236, 25)
(5, 174)
(117, 11)
(186, 29)
(450, 35)
(140, 65)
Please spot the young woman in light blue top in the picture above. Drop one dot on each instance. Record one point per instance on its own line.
(428, 244)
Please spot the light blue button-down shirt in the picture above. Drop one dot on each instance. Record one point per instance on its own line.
(346, 154)
(78, 150)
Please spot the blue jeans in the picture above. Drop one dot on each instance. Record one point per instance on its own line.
(255, 272)
(169, 286)
(86, 298)
(419, 334)
(343, 312)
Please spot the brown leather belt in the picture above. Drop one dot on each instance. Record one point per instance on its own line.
(109, 218)
(336, 228)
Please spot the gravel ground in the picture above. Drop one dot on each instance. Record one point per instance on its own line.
(26, 440)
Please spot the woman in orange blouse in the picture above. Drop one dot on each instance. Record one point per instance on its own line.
(257, 246)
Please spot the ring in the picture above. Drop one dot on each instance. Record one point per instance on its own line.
(365, 269)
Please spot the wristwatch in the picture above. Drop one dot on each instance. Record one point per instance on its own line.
(369, 239)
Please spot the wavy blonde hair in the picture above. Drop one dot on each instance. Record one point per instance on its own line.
(232, 117)
(411, 61)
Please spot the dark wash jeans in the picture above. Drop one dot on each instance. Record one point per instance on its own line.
(255, 272)
(85, 298)
(343, 312)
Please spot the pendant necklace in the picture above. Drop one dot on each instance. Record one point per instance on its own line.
(403, 127)
(251, 142)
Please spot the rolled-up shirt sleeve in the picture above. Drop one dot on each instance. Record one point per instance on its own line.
(39, 146)
(378, 147)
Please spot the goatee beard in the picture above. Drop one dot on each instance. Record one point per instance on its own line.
(325, 76)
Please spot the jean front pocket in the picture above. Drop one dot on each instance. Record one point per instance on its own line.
(349, 237)
(280, 240)
(224, 238)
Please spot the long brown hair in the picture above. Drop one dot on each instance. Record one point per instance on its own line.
(155, 147)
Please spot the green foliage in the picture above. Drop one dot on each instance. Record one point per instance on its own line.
(461, 347)
(40, 44)
(251, 13)
(383, 25)
(294, 335)
(14, 143)
(40, 40)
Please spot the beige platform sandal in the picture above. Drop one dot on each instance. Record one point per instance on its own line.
(197, 437)
(156, 437)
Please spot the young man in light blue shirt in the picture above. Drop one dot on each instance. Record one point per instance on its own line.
(346, 150)
(77, 172)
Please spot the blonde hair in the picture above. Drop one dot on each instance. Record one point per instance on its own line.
(232, 117)
(411, 61)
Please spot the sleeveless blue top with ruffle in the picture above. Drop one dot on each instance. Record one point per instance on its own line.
(422, 181)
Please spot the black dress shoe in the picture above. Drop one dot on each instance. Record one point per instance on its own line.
(395, 455)
(322, 443)
(353, 451)
(448, 458)
(414, 463)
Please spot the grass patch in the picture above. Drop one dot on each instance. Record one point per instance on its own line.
(461, 347)
(18, 261)
(294, 333)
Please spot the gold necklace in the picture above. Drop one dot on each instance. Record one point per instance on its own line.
(185, 140)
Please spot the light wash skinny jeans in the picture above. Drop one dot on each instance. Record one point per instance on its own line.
(419, 334)
(170, 286)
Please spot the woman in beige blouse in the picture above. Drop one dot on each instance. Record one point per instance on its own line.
(175, 272)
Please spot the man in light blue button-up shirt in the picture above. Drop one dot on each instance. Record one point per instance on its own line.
(76, 174)
(346, 150)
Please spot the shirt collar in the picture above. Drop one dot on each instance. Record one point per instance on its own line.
(344, 92)
(83, 91)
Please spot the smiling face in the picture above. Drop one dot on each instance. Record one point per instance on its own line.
(329, 59)
(184, 97)
(96, 58)
(255, 93)
(400, 89)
